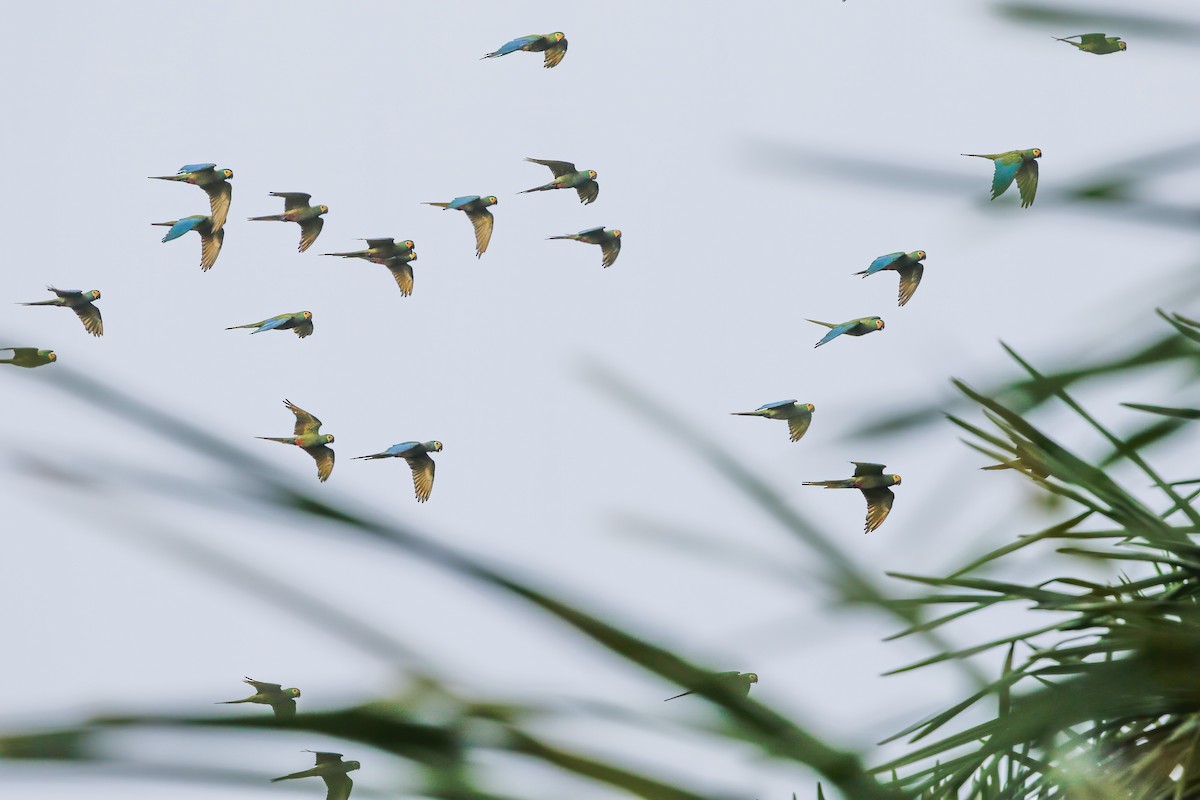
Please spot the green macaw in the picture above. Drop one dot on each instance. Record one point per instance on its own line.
(476, 209)
(299, 322)
(583, 181)
(416, 455)
(609, 241)
(210, 239)
(282, 701)
(379, 250)
(1096, 43)
(869, 479)
(215, 184)
(296, 209)
(331, 769)
(1018, 164)
(29, 357)
(855, 327)
(554, 45)
(739, 682)
(908, 265)
(798, 415)
(308, 437)
(80, 303)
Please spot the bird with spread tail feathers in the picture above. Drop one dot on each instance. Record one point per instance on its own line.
(296, 209)
(855, 327)
(566, 176)
(308, 437)
(210, 239)
(870, 480)
(1014, 164)
(908, 265)
(215, 184)
(331, 769)
(417, 456)
(609, 241)
(739, 682)
(299, 322)
(1096, 43)
(554, 45)
(80, 303)
(29, 357)
(798, 415)
(476, 209)
(282, 701)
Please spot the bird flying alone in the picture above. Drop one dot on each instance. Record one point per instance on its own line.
(609, 241)
(28, 357)
(331, 769)
(476, 209)
(908, 265)
(80, 303)
(855, 327)
(300, 322)
(214, 182)
(798, 415)
(870, 480)
(210, 242)
(1018, 164)
(296, 209)
(417, 456)
(1096, 43)
(282, 701)
(554, 45)
(566, 176)
(737, 682)
(308, 437)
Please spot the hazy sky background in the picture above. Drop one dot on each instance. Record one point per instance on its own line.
(374, 107)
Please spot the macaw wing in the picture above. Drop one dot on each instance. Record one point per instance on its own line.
(338, 785)
(326, 758)
(910, 278)
(459, 202)
(403, 274)
(304, 328)
(183, 226)
(1091, 38)
(588, 192)
(263, 687)
(324, 458)
(879, 505)
(555, 53)
(609, 250)
(883, 262)
(862, 468)
(210, 248)
(89, 315)
(422, 467)
(310, 229)
(219, 195)
(293, 200)
(559, 168)
(195, 168)
(284, 708)
(834, 332)
(483, 221)
(273, 323)
(1027, 182)
(305, 422)
(798, 425)
(1006, 170)
(513, 46)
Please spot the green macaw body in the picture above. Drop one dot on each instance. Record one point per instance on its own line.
(554, 45)
(300, 322)
(29, 357)
(908, 265)
(296, 209)
(855, 327)
(737, 682)
(214, 182)
(307, 436)
(476, 209)
(331, 769)
(609, 241)
(1096, 43)
(869, 479)
(80, 303)
(380, 250)
(583, 181)
(1014, 164)
(282, 701)
(797, 415)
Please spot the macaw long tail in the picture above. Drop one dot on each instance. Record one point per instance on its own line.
(234, 327)
(167, 177)
(818, 322)
(561, 237)
(41, 303)
(373, 456)
(843, 484)
(746, 413)
(271, 218)
(439, 205)
(280, 439)
(538, 189)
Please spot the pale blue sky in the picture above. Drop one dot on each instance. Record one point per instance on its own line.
(374, 107)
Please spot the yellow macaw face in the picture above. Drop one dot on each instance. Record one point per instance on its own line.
(437, 447)
(329, 438)
(895, 478)
(617, 234)
(410, 244)
(1037, 153)
(324, 209)
(228, 173)
(811, 408)
(492, 200)
(920, 255)
(294, 692)
(559, 36)
(1120, 45)
(53, 356)
(308, 315)
(592, 173)
(878, 324)
(752, 676)
(95, 293)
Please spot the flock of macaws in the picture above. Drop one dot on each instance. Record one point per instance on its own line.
(1013, 165)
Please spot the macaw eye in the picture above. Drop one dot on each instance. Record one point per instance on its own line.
(1037, 152)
